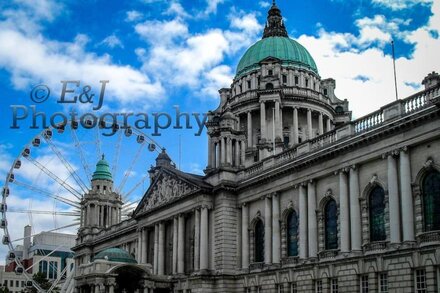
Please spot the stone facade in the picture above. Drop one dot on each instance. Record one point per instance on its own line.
(274, 150)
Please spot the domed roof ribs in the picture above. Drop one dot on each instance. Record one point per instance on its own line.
(274, 25)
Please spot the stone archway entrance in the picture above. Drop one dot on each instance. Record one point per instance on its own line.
(129, 279)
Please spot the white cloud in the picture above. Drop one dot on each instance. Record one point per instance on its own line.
(52, 61)
(335, 57)
(112, 41)
(212, 6)
(133, 15)
(400, 4)
(169, 31)
(177, 9)
(264, 4)
(181, 58)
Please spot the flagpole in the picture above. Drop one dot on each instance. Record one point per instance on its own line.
(394, 66)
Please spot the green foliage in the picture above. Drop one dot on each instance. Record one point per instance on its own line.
(41, 280)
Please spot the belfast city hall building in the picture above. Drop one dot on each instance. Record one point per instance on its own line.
(296, 197)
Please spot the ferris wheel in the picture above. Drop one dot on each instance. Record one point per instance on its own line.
(47, 181)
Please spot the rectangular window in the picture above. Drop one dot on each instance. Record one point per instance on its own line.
(270, 72)
(318, 286)
(249, 84)
(296, 80)
(284, 79)
(11, 283)
(383, 283)
(17, 283)
(325, 92)
(334, 286)
(421, 281)
(307, 82)
(364, 284)
(293, 288)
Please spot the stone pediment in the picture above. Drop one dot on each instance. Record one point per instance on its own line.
(165, 189)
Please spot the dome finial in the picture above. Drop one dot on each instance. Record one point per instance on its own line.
(103, 157)
(275, 25)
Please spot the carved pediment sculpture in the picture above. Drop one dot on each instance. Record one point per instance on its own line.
(166, 189)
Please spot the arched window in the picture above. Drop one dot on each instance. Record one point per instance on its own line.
(331, 225)
(269, 86)
(431, 201)
(292, 234)
(377, 214)
(259, 241)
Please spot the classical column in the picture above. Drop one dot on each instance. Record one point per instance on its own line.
(278, 128)
(295, 126)
(249, 129)
(355, 210)
(263, 120)
(344, 213)
(276, 247)
(237, 153)
(204, 233)
(329, 124)
(156, 248)
(309, 124)
(245, 236)
(210, 153)
(229, 151)
(222, 151)
(407, 201)
(175, 244)
(161, 266)
(144, 245)
(88, 218)
(196, 240)
(97, 288)
(393, 198)
(139, 246)
(181, 246)
(311, 212)
(217, 154)
(321, 124)
(243, 153)
(267, 230)
(302, 222)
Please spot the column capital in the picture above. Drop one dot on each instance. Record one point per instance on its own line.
(275, 194)
(342, 171)
(268, 196)
(311, 181)
(354, 167)
(393, 153)
(404, 149)
(244, 204)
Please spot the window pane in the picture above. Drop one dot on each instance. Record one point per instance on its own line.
(292, 234)
(331, 225)
(259, 241)
(377, 214)
(431, 201)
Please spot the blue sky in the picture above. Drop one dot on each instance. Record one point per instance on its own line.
(157, 54)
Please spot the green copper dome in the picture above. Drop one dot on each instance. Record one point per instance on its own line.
(116, 255)
(290, 52)
(102, 171)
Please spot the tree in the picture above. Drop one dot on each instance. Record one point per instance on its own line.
(41, 280)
